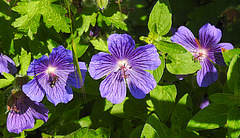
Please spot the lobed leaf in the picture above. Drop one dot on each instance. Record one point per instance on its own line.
(100, 45)
(117, 19)
(5, 82)
(87, 20)
(25, 59)
(53, 16)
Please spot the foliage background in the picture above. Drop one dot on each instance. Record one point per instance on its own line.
(30, 29)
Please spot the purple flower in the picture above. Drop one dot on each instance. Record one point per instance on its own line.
(54, 76)
(22, 112)
(204, 50)
(7, 65)
(125, 65)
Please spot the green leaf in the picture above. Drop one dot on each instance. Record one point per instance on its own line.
(211, 117)
(187, 134)
(136, 133)
(233, 122)
(5, 82)
(163, 98)
(223, 98)
(85, 121)
(157, 73)
(182, 113)
(90, 133)
(87, 20)
(169, 47)
(233, 75)
(51, 44)
(79, 47)
(117, 19)
(182, 64)
(154, 128)
(25, 59)
(229, 54)
(160, 19)
(130, 108)
(38, 124)
(100, 45)
(53, 15)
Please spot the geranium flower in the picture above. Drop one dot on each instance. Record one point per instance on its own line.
(204, 50)
(54, 76)
(22, 112)
(124, 65)
(7, 65)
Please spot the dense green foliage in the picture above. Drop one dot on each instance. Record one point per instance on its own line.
(32, 28)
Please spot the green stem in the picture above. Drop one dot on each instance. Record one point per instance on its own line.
(120, 8)
(74, 50)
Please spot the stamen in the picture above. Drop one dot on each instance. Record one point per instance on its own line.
(198, 43)
(124, 67)
(200, 55)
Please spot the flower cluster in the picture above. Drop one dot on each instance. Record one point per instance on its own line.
(123, 66)
(205, 49)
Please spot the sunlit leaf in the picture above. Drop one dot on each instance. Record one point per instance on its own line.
(100, 45)
(160, 19)
(228, 55)
(53, 16)
(25, 59)
(5, 82)
(154, 128)
(157, 73)
(86, 21)
(90, 133)
(169, 47)
(163, 98)
(211, 117)
(233, 75)
(117, 19)
(233, 122)
(182, 64)
(182, 113)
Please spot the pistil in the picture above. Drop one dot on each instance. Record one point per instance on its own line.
(124, 67)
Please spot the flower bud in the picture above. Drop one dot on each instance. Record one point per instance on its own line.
(102, 4)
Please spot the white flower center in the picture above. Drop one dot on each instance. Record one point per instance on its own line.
(200, 54)
(50, 70)
(124, 67)
(52, 77)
